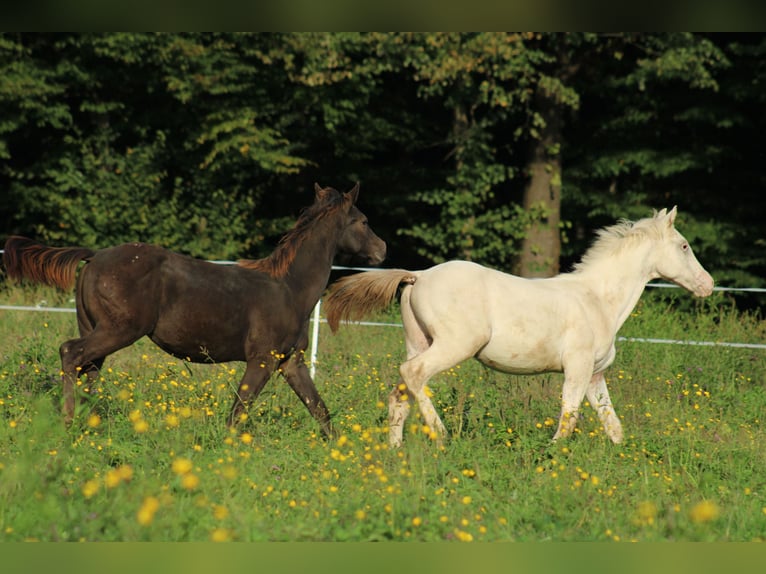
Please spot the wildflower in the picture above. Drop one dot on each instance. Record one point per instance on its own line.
(705, 511)
(190, 481)
(113, 478)
(646, 512)
(360, 514)
(417, 521)
(145, 514)
(220, 512)
(181, 466)
(94, 420)
(90, 488)
(463, 536)
(246, 438)
(140, 426)
(466, 500)
(220, 535)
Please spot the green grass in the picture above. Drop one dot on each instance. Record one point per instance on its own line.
(150, 459)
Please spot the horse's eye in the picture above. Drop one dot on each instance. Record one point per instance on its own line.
(685, 247)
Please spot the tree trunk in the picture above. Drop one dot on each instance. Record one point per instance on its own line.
(541, 247)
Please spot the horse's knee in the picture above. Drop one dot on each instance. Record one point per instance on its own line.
(412, 374)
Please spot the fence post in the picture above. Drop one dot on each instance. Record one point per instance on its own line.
(315, 340)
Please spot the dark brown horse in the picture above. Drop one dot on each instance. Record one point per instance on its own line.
(256, 311)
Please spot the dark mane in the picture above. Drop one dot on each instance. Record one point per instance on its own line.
(279, 261)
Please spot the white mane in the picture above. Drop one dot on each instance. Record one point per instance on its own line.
(613, 239)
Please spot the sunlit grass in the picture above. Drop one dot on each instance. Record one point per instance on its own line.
(150, 457)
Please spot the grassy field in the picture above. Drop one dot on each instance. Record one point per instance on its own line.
(150, 458)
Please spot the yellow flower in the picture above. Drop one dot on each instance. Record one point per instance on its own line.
(94, 420)
(246, 438)
(466, 500)
(112, 478)
(705, 511)
(220, 512)
(182, 466)
(646, 512)
(90, 488)
(172, 420)
(220, 535)
(190, 481)
(140, 426)
(360, 514)
(417, 521)
(145, 514)
(463, 536)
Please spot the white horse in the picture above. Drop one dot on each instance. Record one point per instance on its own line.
(568, 323)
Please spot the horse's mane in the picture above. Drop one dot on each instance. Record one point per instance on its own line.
(613, 239)
(278, 263)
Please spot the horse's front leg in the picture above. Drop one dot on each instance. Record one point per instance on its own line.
(598, 395)
(256, 375)
(577, 374)
(298, 377)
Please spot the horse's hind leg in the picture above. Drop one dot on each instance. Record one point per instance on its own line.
(445, 351)
(86, 355)
(416, 341)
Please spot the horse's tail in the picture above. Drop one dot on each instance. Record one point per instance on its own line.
(28, 259)
(351, 298)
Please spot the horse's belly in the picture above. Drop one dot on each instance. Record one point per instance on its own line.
(540, 357)
(201, 351)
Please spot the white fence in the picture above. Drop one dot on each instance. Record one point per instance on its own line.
(316, 320)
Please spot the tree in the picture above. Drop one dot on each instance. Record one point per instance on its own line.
(169, 138)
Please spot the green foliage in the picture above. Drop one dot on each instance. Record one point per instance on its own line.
(209, 143)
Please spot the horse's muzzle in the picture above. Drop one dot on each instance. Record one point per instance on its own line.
(705, 284)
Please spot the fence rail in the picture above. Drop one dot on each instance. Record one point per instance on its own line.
(316, 319)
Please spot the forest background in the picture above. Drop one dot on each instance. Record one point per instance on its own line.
(508, 149)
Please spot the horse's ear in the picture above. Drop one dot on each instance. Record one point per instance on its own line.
(320, 193)
(672, 216)
(353, 195)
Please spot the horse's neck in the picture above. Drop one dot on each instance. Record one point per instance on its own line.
(310, 269)
(620, 281)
